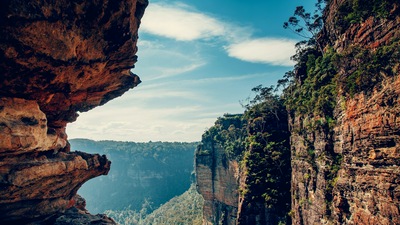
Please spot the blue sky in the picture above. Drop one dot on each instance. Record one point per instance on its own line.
(197, 60)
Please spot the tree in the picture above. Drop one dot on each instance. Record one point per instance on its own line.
(307, 25)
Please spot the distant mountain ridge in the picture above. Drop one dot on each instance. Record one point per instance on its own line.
(152, 172)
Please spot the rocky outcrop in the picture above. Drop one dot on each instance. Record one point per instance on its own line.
(79, 215)
(57, 59)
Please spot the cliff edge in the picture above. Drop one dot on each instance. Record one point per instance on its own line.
(57, 59)
(339, 125)
(344, 111)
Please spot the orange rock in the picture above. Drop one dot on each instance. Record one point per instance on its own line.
(57, 58)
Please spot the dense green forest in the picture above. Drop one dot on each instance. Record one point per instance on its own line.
(141, 173)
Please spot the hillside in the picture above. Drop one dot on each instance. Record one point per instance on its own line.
(185, 209)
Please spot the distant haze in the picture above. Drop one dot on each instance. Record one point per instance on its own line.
(197, 60)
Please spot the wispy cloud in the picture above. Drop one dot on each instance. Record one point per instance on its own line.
(189, 84)
(264, 50)
(168, 71)
(182, 23)
(167, 93)
(170, 61)
(177, 22)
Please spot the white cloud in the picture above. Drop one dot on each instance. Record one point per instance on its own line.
(264, 50)
(170, 108)
(170, 72)
(161, 112)
(179, 23)
(132, 123)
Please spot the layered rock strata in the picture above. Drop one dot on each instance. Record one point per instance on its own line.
(367, 189)
(218, 183)
(57, 59)
(349, 173)
(345, 131)
(242, 180)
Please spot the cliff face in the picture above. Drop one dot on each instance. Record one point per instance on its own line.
(367, 188)
(345, 161)
(218, 183)
(367, 133)
(343, 105)
(243, 167)
(57, 59)
(217, 171)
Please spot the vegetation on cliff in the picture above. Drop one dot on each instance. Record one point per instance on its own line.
(317, 90)
(329, 70)
(228, 131)
(266, 160)
(357, 11)
(259, 141)
(368, 67)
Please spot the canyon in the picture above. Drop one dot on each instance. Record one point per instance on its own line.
(325, 152)
(142, 173)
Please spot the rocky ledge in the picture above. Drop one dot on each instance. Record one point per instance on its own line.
(57, 58)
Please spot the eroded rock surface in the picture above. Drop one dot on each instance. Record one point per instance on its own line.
(217, 182)
(344, 130)
(349, 173)
(57, 58)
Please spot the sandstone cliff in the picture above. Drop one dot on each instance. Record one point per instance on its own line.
(343, 103)
(57, 59)
(345, 155)
(243, 168)
(217, 180)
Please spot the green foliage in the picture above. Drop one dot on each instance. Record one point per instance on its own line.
(228, 131)
(356, 11)
(181, 210)
(259, 140)
(314, 90)
(307, 25)
(331, 177)
(267, 156)
(201, 152)
(313, 83)
(371, 66)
